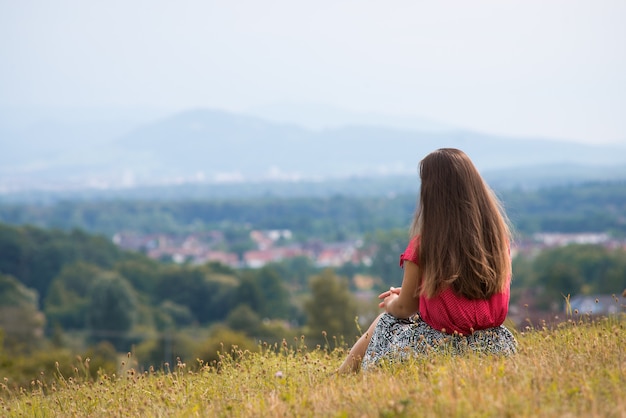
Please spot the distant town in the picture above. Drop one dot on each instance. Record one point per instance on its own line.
(272, 246)
(269, 247)
(541, 241)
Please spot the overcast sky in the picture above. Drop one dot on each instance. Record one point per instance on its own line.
(540, 68)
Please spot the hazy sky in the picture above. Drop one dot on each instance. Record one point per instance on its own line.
(541, 68)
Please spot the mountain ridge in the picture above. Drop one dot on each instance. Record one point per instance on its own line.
(209, 145)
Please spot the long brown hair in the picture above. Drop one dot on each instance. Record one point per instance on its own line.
(463, 232)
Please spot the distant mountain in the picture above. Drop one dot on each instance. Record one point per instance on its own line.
(213, 142)
(214, 146)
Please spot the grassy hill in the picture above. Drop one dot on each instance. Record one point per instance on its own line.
(576, 369)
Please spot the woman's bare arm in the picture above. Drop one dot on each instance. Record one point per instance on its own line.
(403, 302)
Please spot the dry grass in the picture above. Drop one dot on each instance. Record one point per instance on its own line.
(577, 369)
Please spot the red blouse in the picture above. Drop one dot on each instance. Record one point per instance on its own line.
(450, 312)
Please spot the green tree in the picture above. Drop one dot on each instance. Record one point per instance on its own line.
(112, 310)
(208, 296)
(169, 314)
(35, 256)
(20, 319)
(331, 307)
(249, 293)
(244, 319)
(67, 301)
(274, 297)
(571, 270)
(141, 272)
(385, 264)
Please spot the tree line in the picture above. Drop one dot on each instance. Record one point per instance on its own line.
(75, 281)
(591, 207)
(74, 289)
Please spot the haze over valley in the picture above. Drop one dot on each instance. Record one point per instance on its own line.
(116, 150)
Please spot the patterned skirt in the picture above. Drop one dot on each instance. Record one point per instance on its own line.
(399, 339)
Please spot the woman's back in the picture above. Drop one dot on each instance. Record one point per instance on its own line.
(450, 312)
(463, 231)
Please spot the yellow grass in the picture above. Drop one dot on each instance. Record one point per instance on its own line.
(575, 370)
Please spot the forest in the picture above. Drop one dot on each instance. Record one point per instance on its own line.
(66, 288)
(313, 210)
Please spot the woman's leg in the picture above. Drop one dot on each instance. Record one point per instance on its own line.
(352, 363)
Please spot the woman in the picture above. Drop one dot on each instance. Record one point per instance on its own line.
(457, 272)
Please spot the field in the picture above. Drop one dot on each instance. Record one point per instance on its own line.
(575, 369)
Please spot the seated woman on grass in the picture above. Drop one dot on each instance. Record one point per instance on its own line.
(457, 272)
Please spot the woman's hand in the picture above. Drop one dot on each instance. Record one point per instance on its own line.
(403, 302)
(388, 296)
